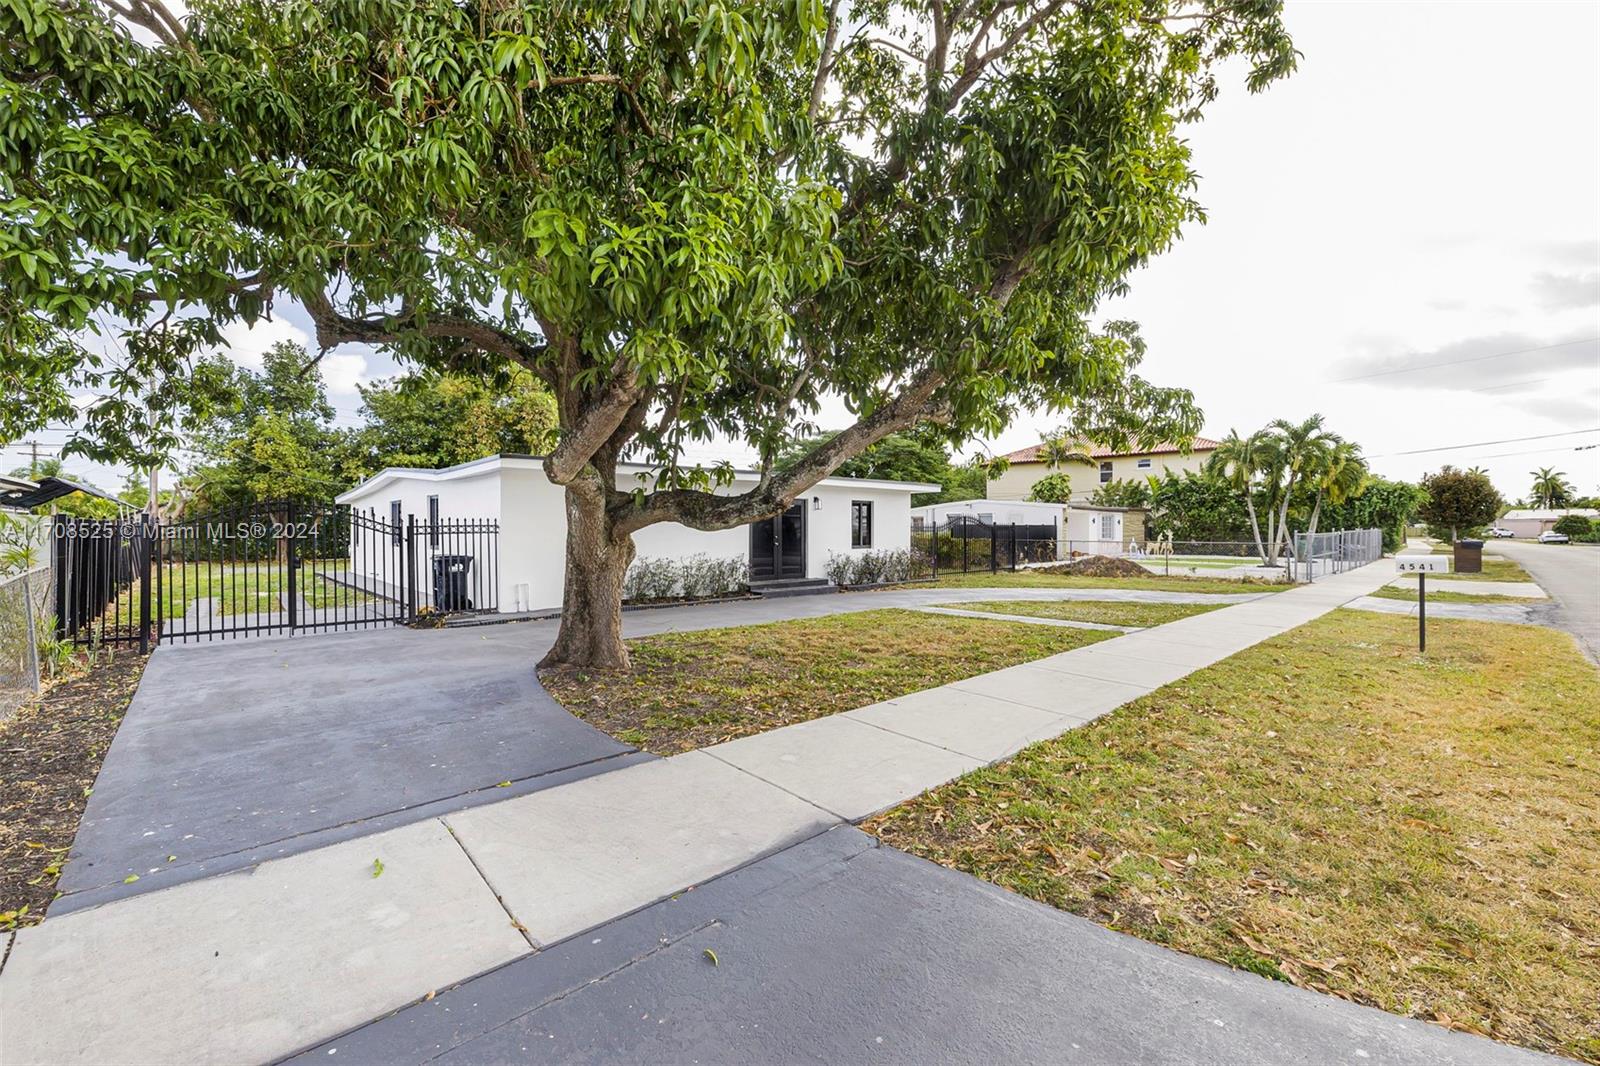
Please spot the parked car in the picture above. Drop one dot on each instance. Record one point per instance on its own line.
(1500, 531)
(1550, 536)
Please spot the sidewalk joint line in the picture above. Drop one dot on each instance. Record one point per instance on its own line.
(515, 922)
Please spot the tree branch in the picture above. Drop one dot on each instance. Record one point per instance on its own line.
(334, 328)
(595, 425)
(774, 492)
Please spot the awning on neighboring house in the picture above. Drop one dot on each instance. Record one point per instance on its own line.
(23, 495)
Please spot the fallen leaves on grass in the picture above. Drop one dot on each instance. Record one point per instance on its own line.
(1420, 835)
(689, 690)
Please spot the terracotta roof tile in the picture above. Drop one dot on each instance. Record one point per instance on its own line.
(1030, 454)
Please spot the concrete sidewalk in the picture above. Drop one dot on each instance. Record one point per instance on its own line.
(260, 963)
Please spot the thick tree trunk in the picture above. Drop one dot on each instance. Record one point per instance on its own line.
(591, 604)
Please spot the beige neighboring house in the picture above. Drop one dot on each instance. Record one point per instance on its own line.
(1529, 522)
(1106, 466)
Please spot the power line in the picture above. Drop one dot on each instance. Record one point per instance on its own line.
(1485, 443)
(1469, 359)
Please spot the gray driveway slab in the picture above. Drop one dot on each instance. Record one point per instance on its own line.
(843, 952)
(231, 754)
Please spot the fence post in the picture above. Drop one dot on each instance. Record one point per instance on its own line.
(994, 552)
(292, 578)
(407, 574)
(1013, 547)
(963, 546)
(58, 560)
(147, 528)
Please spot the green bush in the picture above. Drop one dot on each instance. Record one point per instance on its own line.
(1574, 525)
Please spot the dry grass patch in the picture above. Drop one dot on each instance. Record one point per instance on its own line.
(688, 690)
(1033, 579)
(1111, 614)
(1329, 809)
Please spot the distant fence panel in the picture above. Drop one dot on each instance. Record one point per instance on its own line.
(27, 602)
(1319, 554)
(102, 579)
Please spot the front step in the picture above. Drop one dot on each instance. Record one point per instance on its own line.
(794, 586)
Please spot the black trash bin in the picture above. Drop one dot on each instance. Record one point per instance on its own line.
(450, 582)
(1469, 557)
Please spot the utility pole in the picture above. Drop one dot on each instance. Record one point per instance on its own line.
(33, 464)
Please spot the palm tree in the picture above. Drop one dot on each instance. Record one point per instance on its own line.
(1301, 450)
(1061, 450)
(1550, 487)
(1237, 462)
(1344, 474)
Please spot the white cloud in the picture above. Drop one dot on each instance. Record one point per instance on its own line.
(246, 345)
(343, 371)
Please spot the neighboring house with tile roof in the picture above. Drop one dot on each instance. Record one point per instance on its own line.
(1107, 465)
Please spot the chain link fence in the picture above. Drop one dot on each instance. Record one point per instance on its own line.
(1320, 554)
(27, 612)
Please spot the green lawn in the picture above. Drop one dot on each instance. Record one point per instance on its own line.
(688, 690)
(1030, 579)
(1389, 592)
(1327, 808)
(244, 589)
(1114, 614)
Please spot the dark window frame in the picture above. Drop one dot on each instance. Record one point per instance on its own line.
(1105, 472)
(433, 521)
(860, 523)
(394, 519)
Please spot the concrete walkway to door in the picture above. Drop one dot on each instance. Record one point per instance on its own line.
(296, 951)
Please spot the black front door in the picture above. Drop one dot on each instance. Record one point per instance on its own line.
(778, 546)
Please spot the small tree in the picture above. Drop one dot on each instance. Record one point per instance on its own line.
(1458, 500)
(1573, 525)
(1123, 492)
(1052, 488)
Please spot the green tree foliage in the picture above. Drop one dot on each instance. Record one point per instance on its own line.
(1052, 488)
(1123, 492)
(436, 420)
(269, 437)
(1382, 504)
(686, 219)
(1458, 501)
(1196, 507)
(1573, 525)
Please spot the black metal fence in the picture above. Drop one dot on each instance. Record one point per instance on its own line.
(275, 568)
(966, 545)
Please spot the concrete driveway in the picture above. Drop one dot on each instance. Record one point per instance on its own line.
(237, 752)
(1570, 573)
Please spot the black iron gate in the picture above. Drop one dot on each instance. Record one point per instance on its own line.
(268, 568)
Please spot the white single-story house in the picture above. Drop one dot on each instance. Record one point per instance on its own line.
(991, 513)
(1530, 522)
(836, 516)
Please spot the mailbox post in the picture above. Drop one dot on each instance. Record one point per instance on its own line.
(1422, 566)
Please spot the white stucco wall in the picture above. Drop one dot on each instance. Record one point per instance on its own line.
(1086, 532)
(533, 526)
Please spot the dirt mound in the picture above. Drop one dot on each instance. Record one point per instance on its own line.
(1097, 566)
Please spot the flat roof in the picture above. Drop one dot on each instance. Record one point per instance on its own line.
(492, 463)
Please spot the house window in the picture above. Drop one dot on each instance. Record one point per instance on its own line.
(433, 521)
(1105, 473)
(916, 523)
(986, 519)
(394, 518)
(860, 523)
(1144, 464)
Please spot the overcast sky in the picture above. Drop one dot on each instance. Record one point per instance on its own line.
(1423, 191)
